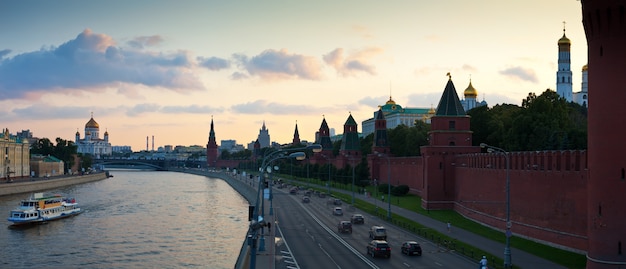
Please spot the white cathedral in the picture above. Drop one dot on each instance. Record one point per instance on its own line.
(92, 144)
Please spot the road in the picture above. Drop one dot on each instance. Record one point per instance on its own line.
(311, 232)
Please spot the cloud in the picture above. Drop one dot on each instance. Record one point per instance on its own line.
(213, 63)
(91, 60)
(373, 101)
(353, 64)
(156, 108)
(520, 73)
(47, 112)
(279, 65)
(192, 109)
(264, 107)
(4, 52)
(238, 76)
(145, 41)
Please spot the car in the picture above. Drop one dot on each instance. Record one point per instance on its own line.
(322, 195)
(357, 219)
(379, 248)
(306, 199)
(293, 191)
(307, 193)
(411, 248)
(337, 211)
(344, 226)
(378, 232)
(337, 202)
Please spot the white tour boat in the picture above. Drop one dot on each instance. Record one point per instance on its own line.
(41, 208)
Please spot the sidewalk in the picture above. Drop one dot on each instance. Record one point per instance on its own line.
(518, 257)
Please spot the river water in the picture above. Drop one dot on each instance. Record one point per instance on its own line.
(136, 219)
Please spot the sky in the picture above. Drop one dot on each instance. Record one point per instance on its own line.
(167, 68)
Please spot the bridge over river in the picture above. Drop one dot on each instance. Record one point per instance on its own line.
(147, 164)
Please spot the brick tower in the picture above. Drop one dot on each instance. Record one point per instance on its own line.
(605, 28)
(296, 137)
(211, 148)
(450, 135)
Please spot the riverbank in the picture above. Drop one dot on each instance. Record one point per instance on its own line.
(29, 185)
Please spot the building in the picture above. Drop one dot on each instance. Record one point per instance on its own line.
(581, 97)
(470, 101)
(92, 144)
(564, 72)
(16, 162)
(564, 75)
(264, 136)
(397, 115)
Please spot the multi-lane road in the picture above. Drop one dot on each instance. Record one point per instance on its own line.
(310, 230)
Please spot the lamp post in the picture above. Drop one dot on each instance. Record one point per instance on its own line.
(314, 147)
(259, 221)
(507, 246)
(388, 184)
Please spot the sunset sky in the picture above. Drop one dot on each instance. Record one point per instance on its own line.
(165, 68)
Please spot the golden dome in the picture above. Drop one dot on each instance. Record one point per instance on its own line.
(470, 91)
(390, 102)
(585, 67)
(564, 40)
(431, 111)
(92, 124)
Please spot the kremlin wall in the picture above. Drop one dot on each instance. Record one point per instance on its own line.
(569, 199)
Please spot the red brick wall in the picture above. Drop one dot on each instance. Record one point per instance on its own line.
(547, 203)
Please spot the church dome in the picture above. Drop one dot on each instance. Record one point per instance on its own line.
(432, 111)
(564, 40)
(585, 68)
(92, 124)
(390, 102)
(470, 91)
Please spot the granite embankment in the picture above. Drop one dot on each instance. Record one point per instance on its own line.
(28, 185)
(240, 185)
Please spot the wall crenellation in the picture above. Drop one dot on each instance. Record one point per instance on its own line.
(566, 160)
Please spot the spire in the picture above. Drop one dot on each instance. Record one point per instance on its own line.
(296, 136)
(449, 104)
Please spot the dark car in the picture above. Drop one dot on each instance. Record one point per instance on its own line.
(379, 248)
(357, 219)
(344, 226)
(306, 199)
(411, 248)
(336, 202)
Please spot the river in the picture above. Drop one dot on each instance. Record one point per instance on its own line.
(136, 219)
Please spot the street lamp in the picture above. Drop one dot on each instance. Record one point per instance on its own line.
(388, 184)
(507, 246)
(259, 221)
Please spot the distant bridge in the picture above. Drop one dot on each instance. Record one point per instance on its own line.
(156, 164)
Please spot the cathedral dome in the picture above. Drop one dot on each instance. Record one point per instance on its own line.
(585, 68)
(92, 124)
(564, 40)
(390, 102)
(470, 91)
(432, 111)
